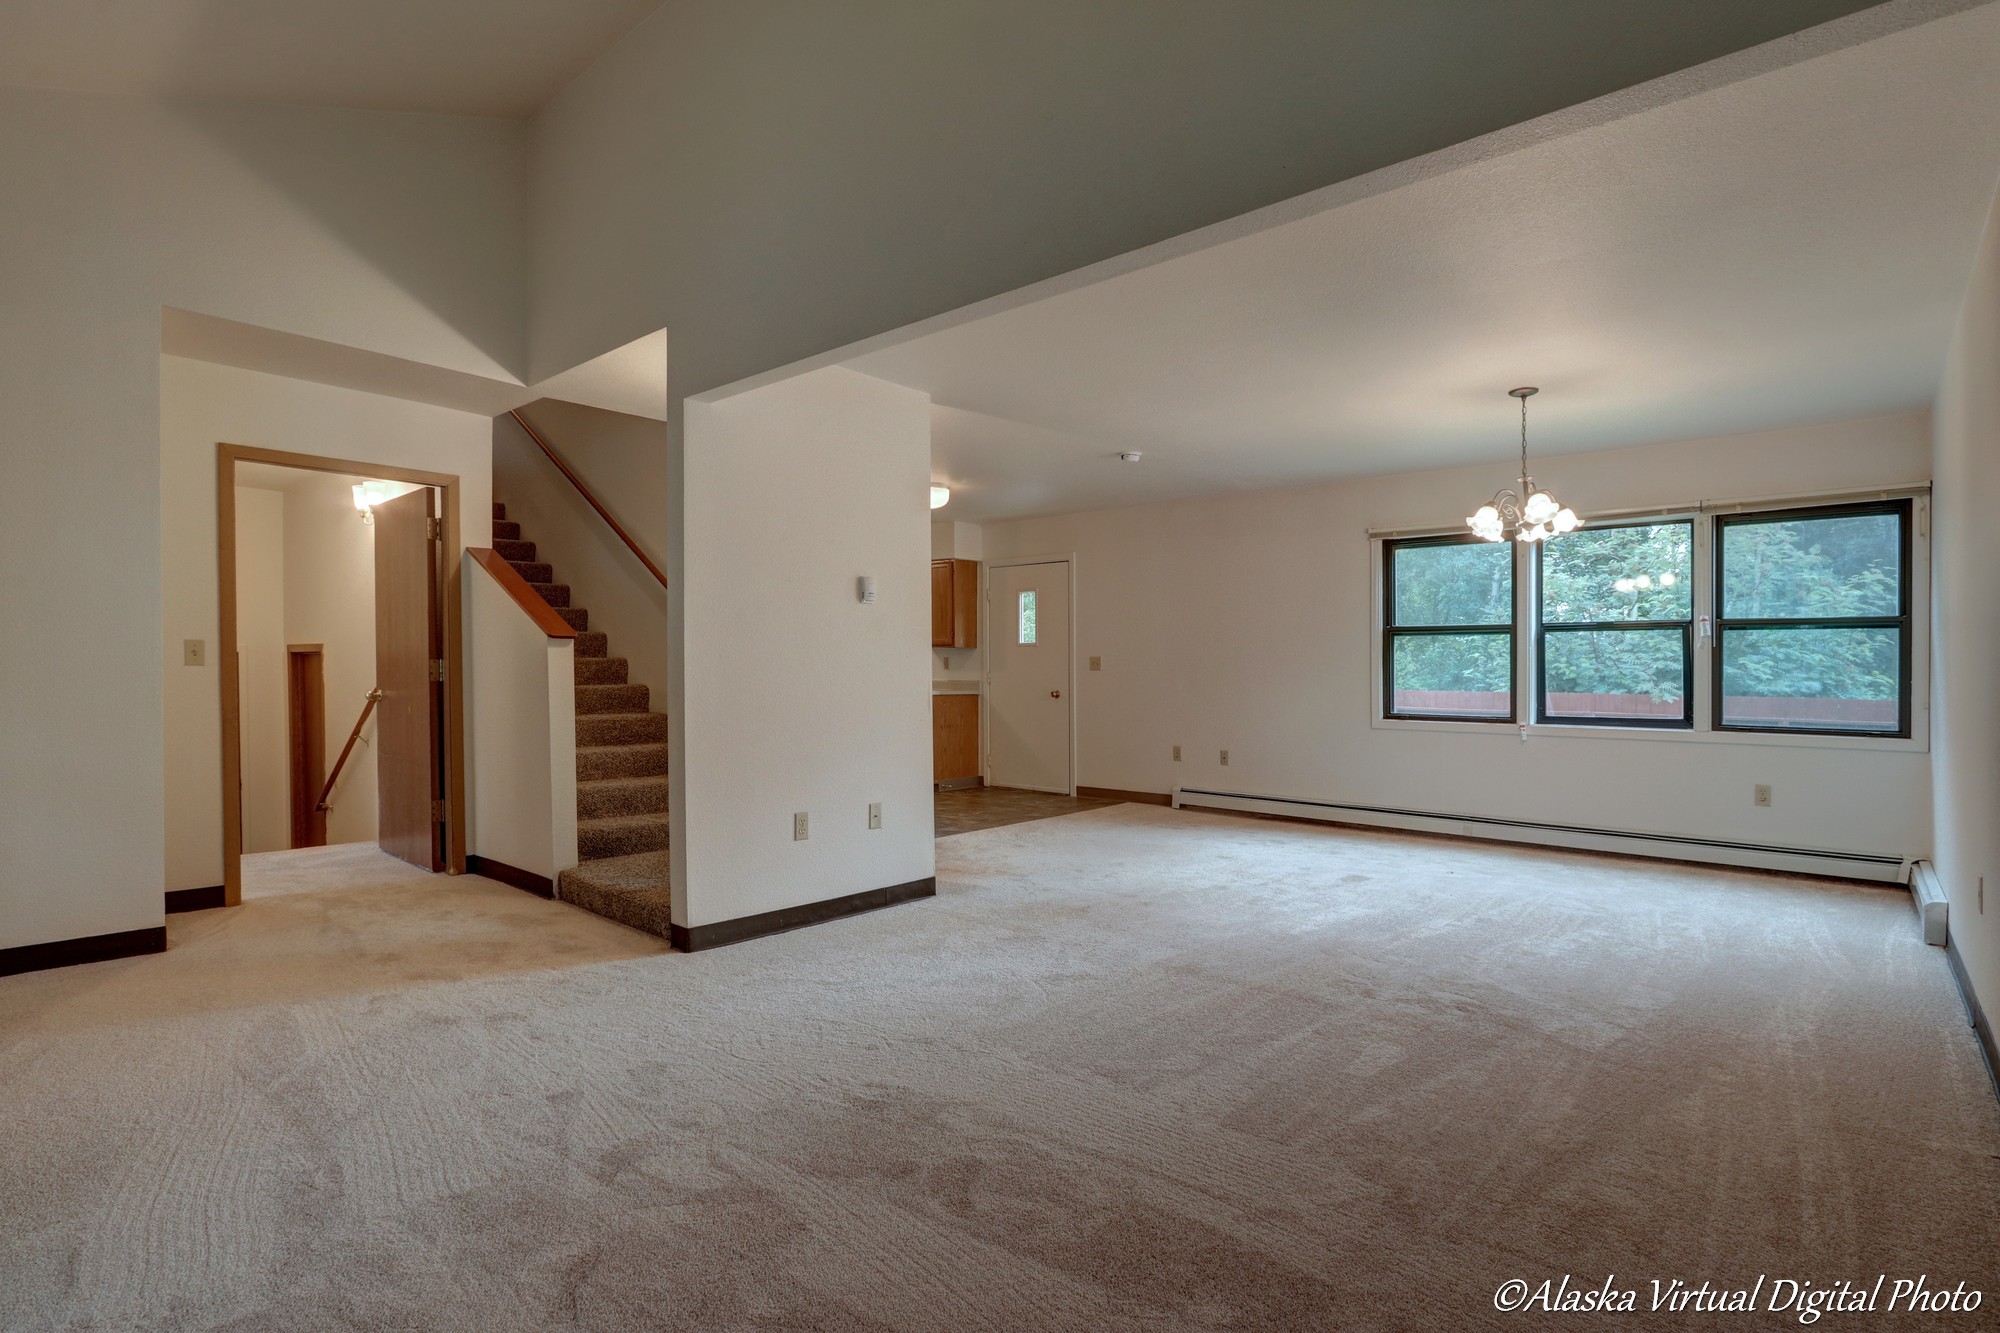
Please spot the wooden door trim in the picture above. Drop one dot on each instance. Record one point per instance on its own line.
(227, 456)
(1069, 689)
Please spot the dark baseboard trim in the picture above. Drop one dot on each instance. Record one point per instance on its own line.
(528, 880)
(1982, 1029)
(194, 900)
(693, 939)
(1130, 797)
(90, 949)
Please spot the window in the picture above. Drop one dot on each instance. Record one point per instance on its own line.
(1813, 620)
(1027, 621)
(1448, 641)
(1615, 637)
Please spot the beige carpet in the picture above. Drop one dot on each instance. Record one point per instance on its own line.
(1134, 1068)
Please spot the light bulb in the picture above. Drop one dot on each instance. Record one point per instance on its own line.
(1667, 580)
(939, 495)
(1643, 582)
(1623, 585)
(1540, 508)
(1564, 521)
(361, 500)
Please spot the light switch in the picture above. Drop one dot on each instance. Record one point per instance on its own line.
(874, 814)
(1097, 664)
(194, 652)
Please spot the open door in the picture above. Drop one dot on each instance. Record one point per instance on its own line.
(409, 653)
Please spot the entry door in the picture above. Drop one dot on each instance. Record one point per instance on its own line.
(1027, 678)
(408, 639)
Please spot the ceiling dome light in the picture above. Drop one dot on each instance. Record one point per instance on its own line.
(939, 495)
(1535, 519)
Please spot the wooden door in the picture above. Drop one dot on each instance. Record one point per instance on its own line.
(305, 700)
(1027, 677)
(408, 641)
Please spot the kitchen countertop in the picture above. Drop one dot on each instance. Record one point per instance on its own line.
(955, 687)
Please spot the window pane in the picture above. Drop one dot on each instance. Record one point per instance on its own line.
(1807, 567)
(1461, 675)
(1632, 573)
(1465, 583)
(1815, 678)
(1027, 617)
(1635, 674)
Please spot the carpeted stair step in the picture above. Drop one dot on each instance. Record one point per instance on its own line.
(631, 890)
(610, 699)
(534, 571)
(514, 550)
(578, 618)
(621, 835)
(612, 797)
(503, 531)
(555, 594)
(499, 512)
(620, 728)
(597, 762)
(601, 670)
(591, 643)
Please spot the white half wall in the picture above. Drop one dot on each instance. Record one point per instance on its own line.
(1966, 668)
(798, 696)
(1246, 623)
(521, 718)
(260, 639)
(202, 405)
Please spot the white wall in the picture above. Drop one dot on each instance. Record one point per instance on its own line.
(397, 233)
(521, 719)
(1966, 669)
(262, 669)
(623, 459)
(330, 600)
(1246, 623)
(201, 405)
(798, 696)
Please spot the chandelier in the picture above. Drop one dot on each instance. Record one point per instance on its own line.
(1536, 518)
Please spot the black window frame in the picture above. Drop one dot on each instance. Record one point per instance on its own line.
(1541, 632)
(1391, 631)
(1903, 624)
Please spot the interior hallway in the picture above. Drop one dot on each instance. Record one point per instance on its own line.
(1132, 1068)
(964, 809)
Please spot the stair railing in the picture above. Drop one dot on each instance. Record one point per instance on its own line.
(584, 491)
(347, 749)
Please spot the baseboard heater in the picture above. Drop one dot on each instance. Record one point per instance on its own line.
(1927, 896)
(1760, 856)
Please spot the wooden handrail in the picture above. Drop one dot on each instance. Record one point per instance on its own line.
(523, 592)
(584, 491)
(347, 749)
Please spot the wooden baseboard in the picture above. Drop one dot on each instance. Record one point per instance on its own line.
(194, 900)
(713, 936)
(1130, 797)
(1975, 1015)
(90, 949)
(514, 876)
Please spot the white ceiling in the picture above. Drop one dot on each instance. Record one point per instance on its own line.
(1787, 248)
(469, 57)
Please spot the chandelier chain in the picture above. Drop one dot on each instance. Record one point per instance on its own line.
(1524, 437)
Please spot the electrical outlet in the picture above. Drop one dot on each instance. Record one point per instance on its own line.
(1097, 664)
(874, 814)
(1177, 754)
(1225, 759)
(799, 833)
(1761, 794)
(194, 652)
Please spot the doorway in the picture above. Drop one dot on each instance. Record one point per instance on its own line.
(1030, 712)
(417, 767)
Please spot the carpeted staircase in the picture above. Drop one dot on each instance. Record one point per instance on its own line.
(621, 765)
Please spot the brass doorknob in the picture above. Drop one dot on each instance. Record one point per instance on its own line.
(1055, 694)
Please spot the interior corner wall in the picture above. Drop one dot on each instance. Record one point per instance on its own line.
(201, 405)
(395, 233)
(262, 669)
(330, 601)
(623, 459)
(798, 696)
(1966, 611)
(1246, 623)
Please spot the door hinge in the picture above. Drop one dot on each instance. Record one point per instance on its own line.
(433, 529)
(437, 668)
(437, 812)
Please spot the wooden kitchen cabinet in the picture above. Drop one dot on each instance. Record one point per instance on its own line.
(954, 603)
(954, 736)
